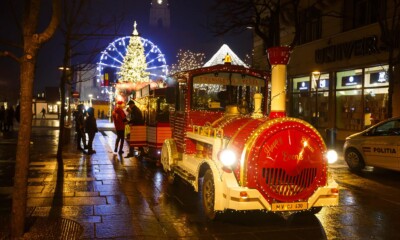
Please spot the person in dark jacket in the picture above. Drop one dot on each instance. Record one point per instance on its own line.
(9, 118)
(135, 115)
(90, 129)
(80, 128)
(2, 118)
(135, 118)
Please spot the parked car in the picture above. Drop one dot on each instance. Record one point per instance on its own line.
(377, 146)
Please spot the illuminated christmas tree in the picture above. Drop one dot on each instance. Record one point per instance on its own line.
(133, 69)
(188, 60)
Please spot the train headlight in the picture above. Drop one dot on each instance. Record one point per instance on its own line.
(332, 156)
(227, 157)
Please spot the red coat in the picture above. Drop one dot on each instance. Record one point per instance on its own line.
(119, 118)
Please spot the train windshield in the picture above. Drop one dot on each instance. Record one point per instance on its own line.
(215, 91)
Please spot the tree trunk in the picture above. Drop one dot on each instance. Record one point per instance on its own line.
(19, 196)
(32, 43)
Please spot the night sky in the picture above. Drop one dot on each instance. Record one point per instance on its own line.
(188, 31)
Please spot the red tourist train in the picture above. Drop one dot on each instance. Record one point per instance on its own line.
(220, 134)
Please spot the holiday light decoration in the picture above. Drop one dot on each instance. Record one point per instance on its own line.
(112, 60)
(219, 57)
(133, 68)
(187, 60)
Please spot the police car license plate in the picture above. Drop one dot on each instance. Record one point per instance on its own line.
(296, 206)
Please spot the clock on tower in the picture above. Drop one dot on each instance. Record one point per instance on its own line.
(159, 14)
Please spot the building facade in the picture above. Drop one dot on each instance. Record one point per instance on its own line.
(159, 14)
(337, 75)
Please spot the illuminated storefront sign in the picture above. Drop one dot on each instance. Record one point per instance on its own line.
(303, 86)
(323, 84)
(352, 80)
(342, 51)
(379, 77)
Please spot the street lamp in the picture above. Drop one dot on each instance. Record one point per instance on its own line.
(315, 81)
(110, 95)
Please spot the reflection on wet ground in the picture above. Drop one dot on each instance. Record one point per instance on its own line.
(127, 198)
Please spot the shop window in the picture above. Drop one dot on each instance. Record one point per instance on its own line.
(349, 110)
(301, 107)
(311, 99)
(320, 99)
(361, 97)
(375, 105)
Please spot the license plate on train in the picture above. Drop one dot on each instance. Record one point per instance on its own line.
(296, 206)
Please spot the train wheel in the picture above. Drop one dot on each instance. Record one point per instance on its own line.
(208, 194)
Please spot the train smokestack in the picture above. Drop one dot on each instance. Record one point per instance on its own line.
(278, 58)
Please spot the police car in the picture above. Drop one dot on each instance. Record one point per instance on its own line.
(377, 146)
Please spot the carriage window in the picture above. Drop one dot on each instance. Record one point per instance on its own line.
(217, 90)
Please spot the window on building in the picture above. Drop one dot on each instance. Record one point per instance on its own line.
(359, 13)
(301, 102)
(310, 25)
(361, 97)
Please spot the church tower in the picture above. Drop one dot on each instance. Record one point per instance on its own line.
(159, 14)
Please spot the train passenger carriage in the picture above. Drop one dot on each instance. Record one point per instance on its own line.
(148, 138)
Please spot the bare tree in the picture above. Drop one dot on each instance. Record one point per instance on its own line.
(80, 27)
(263, 16)
(389, 22)
(32, 41)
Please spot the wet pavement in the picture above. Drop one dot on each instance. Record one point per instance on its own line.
(112, 197)
(87, 191)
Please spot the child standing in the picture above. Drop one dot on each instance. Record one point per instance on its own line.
(90, 129)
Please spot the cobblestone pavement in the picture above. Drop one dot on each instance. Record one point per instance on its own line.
(108, 196)
(87, 191)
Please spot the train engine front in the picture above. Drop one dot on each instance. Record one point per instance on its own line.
(249, 161)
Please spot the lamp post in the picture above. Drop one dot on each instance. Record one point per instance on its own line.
(110, 95)
(68, 103)
(316, 77)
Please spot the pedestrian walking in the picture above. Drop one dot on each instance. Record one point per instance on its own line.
(9, 120)
(2, 118)
(43, 113)
(80, 128)
(120, 120)
(90, 129)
